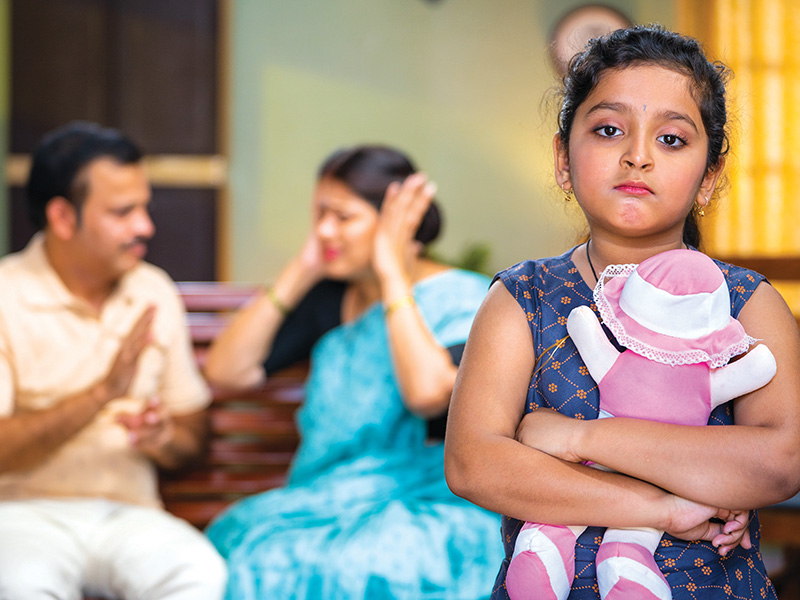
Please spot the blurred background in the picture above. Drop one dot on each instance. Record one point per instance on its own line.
(236, 102)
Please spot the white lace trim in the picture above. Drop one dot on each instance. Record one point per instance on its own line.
(667, 357)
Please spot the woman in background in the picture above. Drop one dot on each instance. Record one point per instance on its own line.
(366, 512)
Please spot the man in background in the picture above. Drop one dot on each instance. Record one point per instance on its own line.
(98, 387)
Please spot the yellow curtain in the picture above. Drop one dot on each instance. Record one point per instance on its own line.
(758, 215)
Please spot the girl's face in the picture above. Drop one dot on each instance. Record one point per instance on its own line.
(637, 154)
(345, 225)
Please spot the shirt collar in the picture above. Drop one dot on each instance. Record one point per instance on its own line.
(45, 289)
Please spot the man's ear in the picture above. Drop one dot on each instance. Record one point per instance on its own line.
(561, 161)
(62, 217)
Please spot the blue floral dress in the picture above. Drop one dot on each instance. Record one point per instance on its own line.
(548, 290)
(366, 512)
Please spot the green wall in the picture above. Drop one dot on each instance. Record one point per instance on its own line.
(458, 84)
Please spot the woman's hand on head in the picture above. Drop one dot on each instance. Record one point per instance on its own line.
(310, 257)
(400, 216)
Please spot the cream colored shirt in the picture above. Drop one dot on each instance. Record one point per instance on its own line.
(53, 345)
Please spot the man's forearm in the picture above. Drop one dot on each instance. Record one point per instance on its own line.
(29, 437)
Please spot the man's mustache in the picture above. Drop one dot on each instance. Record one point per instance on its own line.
(140, 240)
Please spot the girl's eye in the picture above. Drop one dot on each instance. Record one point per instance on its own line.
(608, 131)
(672, 140)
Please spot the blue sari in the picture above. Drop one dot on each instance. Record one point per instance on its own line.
(366, 512)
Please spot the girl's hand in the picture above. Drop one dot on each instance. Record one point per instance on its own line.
(692, 521)
(735, 531)
(551, 432)
(401, 213)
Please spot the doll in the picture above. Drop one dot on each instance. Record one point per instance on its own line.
(671, 313)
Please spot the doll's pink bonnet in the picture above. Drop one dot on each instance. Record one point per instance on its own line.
(673, 308)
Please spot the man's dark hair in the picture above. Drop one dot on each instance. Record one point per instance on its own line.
(60, 159)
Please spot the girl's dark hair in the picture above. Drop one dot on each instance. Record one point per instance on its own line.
(653, 45)
(368, 171)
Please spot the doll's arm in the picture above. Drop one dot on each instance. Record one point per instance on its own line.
(596, 351)
(754, 370)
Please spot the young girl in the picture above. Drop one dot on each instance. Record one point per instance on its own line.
(640, 145)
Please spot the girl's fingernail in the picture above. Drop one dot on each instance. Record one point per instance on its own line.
(430, 188)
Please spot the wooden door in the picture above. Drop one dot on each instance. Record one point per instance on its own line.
(149, 68)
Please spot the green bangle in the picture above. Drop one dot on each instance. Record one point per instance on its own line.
(276, 302)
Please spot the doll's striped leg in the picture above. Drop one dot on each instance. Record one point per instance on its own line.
(626, 568)
(543, 565)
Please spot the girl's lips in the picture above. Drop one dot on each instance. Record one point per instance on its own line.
(637, 189)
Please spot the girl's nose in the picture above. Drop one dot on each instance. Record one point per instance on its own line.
(637, 155)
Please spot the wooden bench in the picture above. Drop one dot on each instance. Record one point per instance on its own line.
(252, 434)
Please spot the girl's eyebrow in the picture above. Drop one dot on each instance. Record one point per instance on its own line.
(621, 107)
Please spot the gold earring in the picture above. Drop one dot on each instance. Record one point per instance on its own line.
(568, 194)
(701, 209)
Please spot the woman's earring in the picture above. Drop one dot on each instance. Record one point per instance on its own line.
(701, 209)
(568, 194)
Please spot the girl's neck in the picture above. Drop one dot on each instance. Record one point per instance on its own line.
(599, 252)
